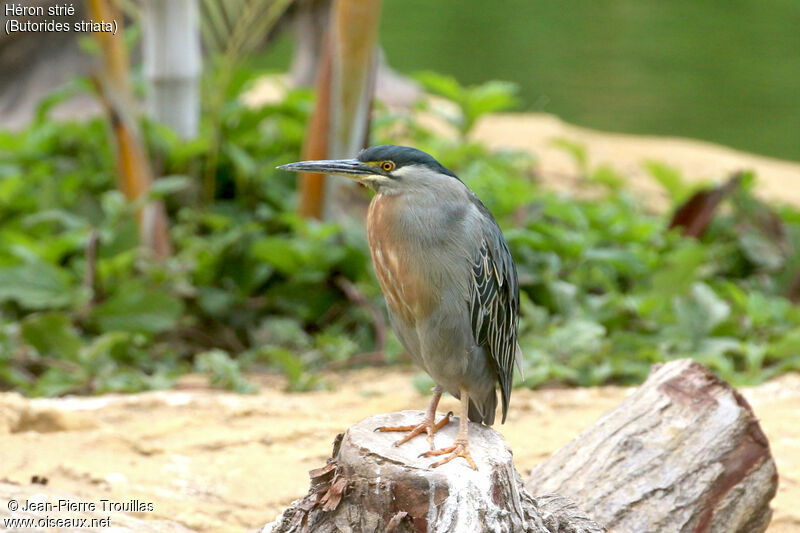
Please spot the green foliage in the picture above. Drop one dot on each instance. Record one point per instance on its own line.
(135, 308)
(473, 101)
(423, 383)
(137, 323)
(606, 290)
(223, 371)
(36, 285)
(670, 179)
(576, 150)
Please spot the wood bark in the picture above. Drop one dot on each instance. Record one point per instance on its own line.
(683, 453)
(371, 486)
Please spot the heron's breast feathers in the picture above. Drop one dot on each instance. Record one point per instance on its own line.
(398, 265)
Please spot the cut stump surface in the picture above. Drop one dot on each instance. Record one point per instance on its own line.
(370, 485)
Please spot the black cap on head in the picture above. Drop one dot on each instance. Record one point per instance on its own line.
(402, 156)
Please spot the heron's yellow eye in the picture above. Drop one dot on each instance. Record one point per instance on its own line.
(387, 166)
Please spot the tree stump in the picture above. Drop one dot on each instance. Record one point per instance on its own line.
(683, 453)
(371, 486)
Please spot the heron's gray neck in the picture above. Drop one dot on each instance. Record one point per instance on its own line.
(424, 217)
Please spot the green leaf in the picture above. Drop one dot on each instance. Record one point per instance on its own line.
(787, 346)
(168, 185)
(223, 371)
(136, 308)
(299, 256)
(575, 149)
(280, 252)
(295, 370)
(489, 97)
(52, 334)
(578, 336)
(608, 177)
(761, 251)
(679, 270)
(37, 285)
(423, 383)
(712, 309)
(473, 101)
(280, 331)
(440, 84)
(244, 162)
(670, 179)
(215, 301)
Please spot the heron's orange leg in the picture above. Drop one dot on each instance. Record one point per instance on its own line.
(460, 447)
(428, 424)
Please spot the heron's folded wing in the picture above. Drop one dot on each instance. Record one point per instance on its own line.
(494, 305)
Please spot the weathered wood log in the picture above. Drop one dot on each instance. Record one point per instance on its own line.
(683, 453)
(371, 486)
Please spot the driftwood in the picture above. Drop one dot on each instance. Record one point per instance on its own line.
(683, 453)
(370, 486)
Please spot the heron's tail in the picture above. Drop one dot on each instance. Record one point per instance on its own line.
(482, 410)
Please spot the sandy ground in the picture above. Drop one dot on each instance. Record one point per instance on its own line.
(217, 461)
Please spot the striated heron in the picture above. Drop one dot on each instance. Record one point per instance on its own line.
(449, 281)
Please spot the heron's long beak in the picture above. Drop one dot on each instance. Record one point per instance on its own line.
(349, 168)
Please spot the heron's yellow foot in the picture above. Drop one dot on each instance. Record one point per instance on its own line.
(459, 449)
(426, 426)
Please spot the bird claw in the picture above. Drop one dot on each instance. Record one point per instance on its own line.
(426, 426)
(458, 449)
